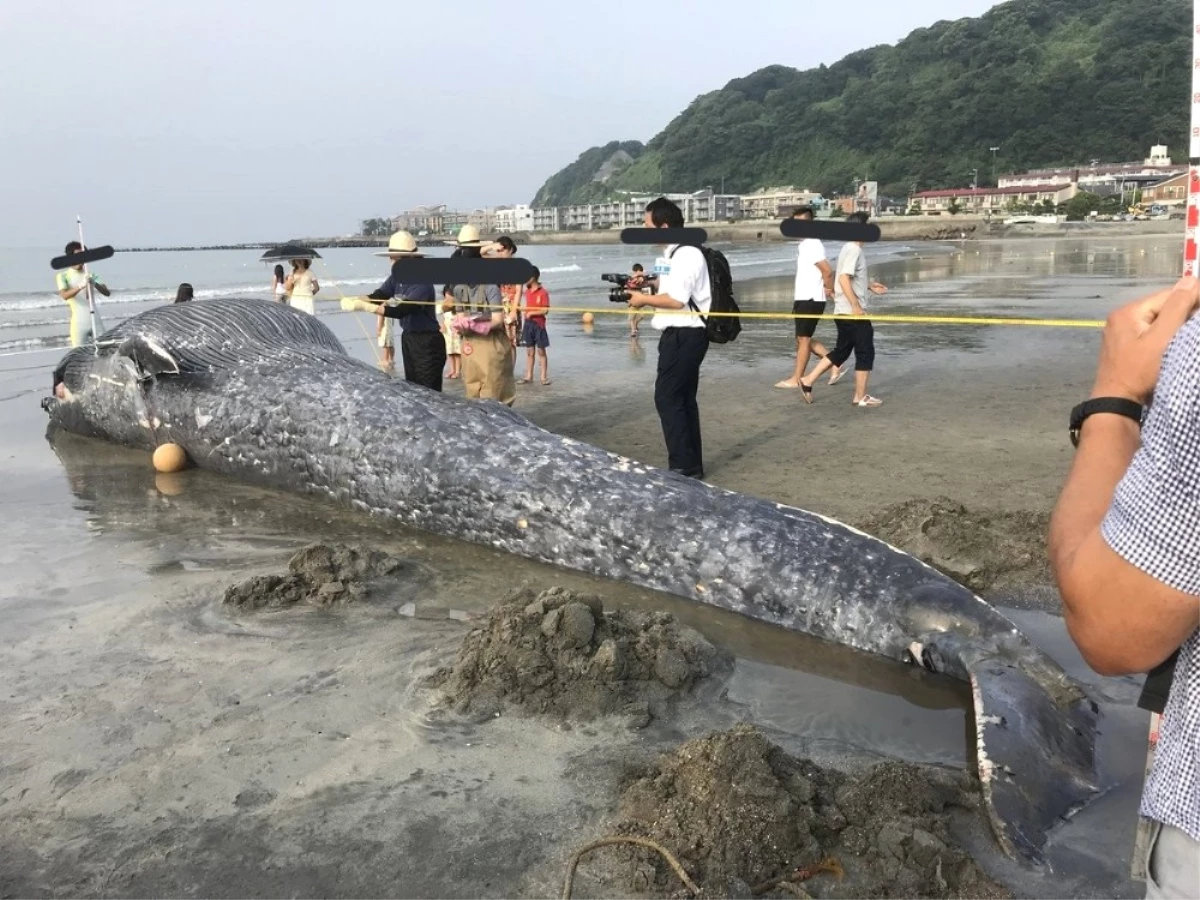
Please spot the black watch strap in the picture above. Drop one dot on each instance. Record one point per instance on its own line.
(1118, 405)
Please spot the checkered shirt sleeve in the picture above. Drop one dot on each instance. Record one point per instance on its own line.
(1154, 524)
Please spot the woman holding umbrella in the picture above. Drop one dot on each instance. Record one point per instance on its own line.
(302, 286)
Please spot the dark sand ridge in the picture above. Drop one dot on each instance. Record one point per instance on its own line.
(164, 745)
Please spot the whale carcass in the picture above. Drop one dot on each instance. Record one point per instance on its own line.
(265, 393)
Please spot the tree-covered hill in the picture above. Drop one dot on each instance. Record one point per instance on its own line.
(1050, 82)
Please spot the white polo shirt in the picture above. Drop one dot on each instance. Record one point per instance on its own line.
(682, 276)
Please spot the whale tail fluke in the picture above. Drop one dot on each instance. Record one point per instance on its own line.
(1035, 754)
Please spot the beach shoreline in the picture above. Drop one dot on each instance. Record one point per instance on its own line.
(893, 228)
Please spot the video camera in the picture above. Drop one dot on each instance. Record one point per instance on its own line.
(620, 294)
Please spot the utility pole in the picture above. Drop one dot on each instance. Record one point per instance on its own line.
(995, 183)
(974, 179)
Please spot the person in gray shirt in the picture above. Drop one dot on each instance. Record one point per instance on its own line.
(1124, 546)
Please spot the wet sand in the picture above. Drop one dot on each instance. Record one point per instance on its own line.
(162, 744)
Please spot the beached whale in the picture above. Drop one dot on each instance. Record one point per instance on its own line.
(265, 393)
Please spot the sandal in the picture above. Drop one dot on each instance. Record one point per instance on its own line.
(867, 401)
(836, 376)
(525, 381)
(546, 381)
(806, 393)
(786, 384)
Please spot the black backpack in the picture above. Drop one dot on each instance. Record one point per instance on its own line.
(726, 328)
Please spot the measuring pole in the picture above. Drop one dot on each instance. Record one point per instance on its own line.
(92, 300)
(1191, 250)
(1193, 204)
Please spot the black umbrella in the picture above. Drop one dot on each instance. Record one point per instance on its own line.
(289, 251)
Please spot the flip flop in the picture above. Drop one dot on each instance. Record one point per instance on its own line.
(806, 393)
(784, 384)
(867, 401)
(547, 382)
(525, 381)
(836, 377)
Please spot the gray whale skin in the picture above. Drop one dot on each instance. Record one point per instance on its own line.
(265, 393)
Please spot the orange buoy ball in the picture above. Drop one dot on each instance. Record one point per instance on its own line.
(170, 458)
(588, 318)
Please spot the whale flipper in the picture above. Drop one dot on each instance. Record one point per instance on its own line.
(1035, 754)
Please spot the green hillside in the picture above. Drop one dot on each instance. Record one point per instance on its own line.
(1051, 82)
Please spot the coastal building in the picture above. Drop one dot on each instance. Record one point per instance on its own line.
(483, 218)
(547, 218)
(775, 202)
(1103, 178)
(514, 218)
(1171, 192)
(698, 207)
(991, 200)
(431, 219)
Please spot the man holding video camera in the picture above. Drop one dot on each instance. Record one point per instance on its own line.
(1125, 550)
(682, 277)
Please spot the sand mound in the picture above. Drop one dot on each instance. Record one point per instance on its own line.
(982, 551)
(319, 575)
(560, 654)
(740, 814)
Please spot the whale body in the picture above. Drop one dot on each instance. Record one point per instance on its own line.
(265, 393)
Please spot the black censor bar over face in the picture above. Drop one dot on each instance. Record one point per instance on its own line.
(688, 237)
(824, 230)
(82, 258)
(462, 270)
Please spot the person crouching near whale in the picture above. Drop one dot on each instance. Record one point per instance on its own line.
(488, 355)
(422, 347)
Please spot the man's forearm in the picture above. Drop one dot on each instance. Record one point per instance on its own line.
(1107, 444)
(662, 301)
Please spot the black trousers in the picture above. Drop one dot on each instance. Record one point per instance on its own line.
(424, 356)
(855, 336)
(680, 353)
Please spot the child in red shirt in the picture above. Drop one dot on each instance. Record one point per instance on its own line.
(533, 334)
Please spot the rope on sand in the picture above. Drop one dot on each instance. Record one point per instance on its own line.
(666, 854)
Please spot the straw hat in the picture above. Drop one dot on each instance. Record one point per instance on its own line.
(468, 236)
(401, 244)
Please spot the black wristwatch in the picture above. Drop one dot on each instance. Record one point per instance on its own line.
(1118, 405)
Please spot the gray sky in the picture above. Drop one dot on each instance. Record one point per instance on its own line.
(166, 122)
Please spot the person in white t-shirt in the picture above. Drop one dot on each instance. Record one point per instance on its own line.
(683, 284)
(814, 289)
(855, 336)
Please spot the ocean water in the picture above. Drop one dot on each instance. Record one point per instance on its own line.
(32, 317)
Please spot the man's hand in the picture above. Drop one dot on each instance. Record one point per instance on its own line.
(878, 288)
(358, 304)
(1136, 337)
(637, 299)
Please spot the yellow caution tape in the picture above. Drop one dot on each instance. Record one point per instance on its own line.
(557, 311)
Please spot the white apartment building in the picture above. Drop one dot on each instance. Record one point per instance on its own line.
(510, 219)
(775, 202)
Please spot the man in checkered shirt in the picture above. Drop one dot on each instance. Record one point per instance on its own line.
(1125, 549)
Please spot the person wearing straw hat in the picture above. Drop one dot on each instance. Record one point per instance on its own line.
(488, 354)
(422, 347)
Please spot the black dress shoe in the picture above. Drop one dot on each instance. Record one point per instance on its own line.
(690, 473)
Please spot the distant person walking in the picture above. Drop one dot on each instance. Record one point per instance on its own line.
(72, 287)
(813, 291)
(184, 293)
(534, 335)
(637, 282)
(279, 285)
(854, 336)
(302, 287)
